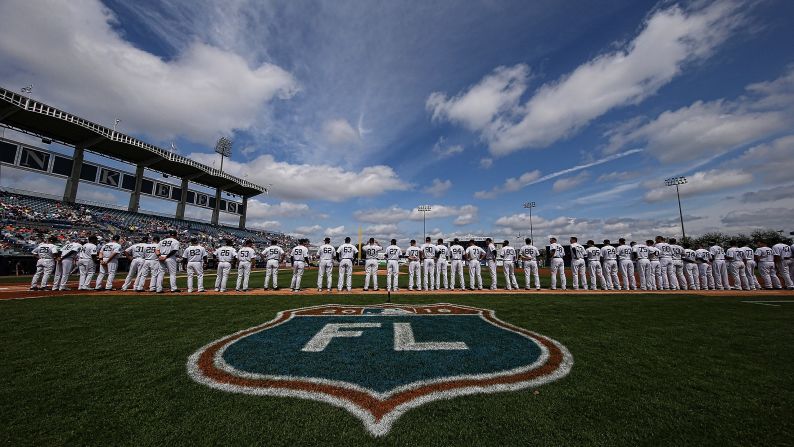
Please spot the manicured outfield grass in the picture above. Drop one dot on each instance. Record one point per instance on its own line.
(649, 370)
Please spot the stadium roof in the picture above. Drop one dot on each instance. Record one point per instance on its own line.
(28, 115)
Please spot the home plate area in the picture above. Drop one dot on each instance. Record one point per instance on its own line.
(379, 361)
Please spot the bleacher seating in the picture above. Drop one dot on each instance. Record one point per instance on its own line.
(25, 217)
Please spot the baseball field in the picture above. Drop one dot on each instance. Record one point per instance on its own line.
(647, 369)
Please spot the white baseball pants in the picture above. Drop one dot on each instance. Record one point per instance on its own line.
(693, 276)
(736, 269)
(87, 269)
(719, 269)
(414, 271)
(509, 270)
(243, 274)
(326, 269)
(371, 267)
(706, 278)
(224, 268)
(345, 274)
(392, 274)
(429, 273)
(531, 269)
(611, 274)
(132, 274)
(457, 269)
(596, 273)
(56, 279)
(150, 268)
(475, 272)
(769, 274)
(656, 271)
(627, 271)
(678, 269)
(783, 271)
(170, 265)
(271, 270)
(558, 266)
(44, 269)
(669, 280)
(195, 268)
(646, 274)
(579, 271)
(441, 271)
(108, 269)
(297, 274)
(492, 268)
(749, 269)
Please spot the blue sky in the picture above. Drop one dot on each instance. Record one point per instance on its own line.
(357, 112)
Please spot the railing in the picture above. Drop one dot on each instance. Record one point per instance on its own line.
(32, 105)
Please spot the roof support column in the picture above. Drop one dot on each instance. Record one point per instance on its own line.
(243, 211)
(217, 210)
(180, 208)
(135, 196)
(70, 192)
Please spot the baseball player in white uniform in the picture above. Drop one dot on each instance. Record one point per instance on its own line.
(393, 253)
(456, 254)
(346, 252)
(299, 255)
(195, 256)
(529, 256)
(719, 268)
(669, 281)
(642, 253)
(414, 254)
(47, 253)
(86, 262)
(703, 258)
(68, 262)
(782, 253)
(325, 264)
(168, 252)
(691, 269)
(108, 263)
(678, 263)
(274, 256)
(151, 267)
(474, 254)
(371, 251)
(442, 254)
(135, 253)
(626, 264)
(557, 264)
(765, 258)
(429, 264)
(245, 256)
(490, 259)
(749, 267)
(509, 255)
(578, 263)
(656, 265)
(593, 254)
(609, 259)
(225, 255)
(735, 258)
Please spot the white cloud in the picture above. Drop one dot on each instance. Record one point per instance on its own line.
(702, 182)
(769, 195)
(616, 176)
(395, 214)
(444, 150)
(564, 184)
(670, 38)
(486, 163)
(380, 230)
(258, 209)
(201, 93)
(335, 231)
(263, 224)
(774, 218)
(533, 177)
(439, 187)
(339, 132)
(304, 181)
(771, 162)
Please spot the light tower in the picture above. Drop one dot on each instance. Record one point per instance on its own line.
(529, 206)
(675, 181)
(424, 209)
(223, 147)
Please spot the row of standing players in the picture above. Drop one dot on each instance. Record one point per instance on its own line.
(660, 264)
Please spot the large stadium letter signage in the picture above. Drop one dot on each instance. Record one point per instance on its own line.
(378, 362)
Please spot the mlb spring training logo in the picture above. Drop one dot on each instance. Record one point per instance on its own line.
(380, 361)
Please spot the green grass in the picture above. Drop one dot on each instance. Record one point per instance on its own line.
(649, 370)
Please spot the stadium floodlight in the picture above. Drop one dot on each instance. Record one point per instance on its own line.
(115, 124)
(424, 209)
(529, 206)
(223, 147)
(675, 181)
(27, 90)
